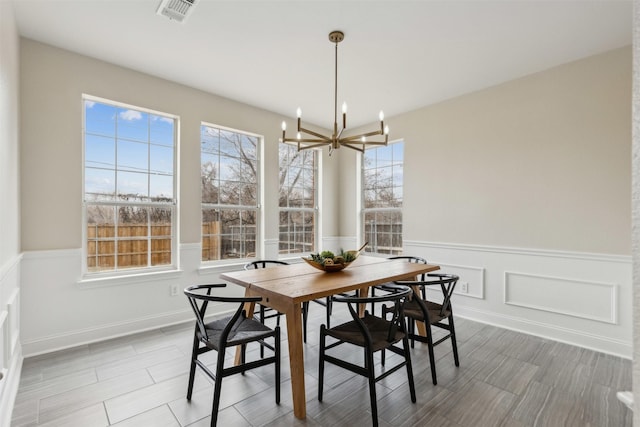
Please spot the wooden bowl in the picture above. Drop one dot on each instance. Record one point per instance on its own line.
(328, 268)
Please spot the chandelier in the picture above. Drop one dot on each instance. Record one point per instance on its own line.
(314, 139)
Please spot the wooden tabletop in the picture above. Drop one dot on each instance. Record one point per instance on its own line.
(301, 282)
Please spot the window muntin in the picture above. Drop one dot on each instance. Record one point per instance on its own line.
(297, 200)
(229, 165)
(129, 187)
(382, 176)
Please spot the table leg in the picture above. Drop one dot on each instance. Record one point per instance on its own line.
(362, 293)
(296, 360)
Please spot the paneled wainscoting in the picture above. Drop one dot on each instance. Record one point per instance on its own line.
(576, 298)
(505, 378)
(10, 347)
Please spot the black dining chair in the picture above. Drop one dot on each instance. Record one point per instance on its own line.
(436, 314)
(224, 333)
(373, 334)
(408, 258)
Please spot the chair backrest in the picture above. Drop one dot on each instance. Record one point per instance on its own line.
(414, 259)
(447, 284)
(263, 264)
(199, 297)
(396, 296)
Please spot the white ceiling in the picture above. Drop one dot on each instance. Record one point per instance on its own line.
(397, 55)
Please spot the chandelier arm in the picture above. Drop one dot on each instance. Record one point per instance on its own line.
(320, 144)
(315, 140)
(349, 143)
(316, 134)
(359, 136)
(353, 148)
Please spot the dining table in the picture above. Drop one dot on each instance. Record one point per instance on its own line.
(284, 288)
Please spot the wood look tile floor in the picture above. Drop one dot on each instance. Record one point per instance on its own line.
(505, 378)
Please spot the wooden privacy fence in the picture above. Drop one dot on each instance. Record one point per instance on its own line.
(133, 243)
(211, 241)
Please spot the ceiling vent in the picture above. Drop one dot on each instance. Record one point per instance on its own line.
(176, 10)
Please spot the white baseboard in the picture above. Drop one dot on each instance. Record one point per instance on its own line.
(578, 338)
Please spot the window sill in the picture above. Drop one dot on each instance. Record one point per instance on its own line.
(207, 269)
(89, 282)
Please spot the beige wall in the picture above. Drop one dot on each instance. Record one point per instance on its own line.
(9, 104)
(53, 83)
(540, 162)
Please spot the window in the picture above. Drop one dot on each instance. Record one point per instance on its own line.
(129, 187)
(382, 171)
(297, 200)
(229, 168)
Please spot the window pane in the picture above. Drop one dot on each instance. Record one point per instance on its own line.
(133, 125)
(100, 119)
(100, 151)
(161, 159)
(100, 237)
(161, 236)
(133, 186)
(161, 188)
(133, 156)
(161, 130)
(99, 184)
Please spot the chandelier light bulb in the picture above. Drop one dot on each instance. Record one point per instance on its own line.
(284, 125)
(386, 130)
(364, 139)
(298, 136)
(381, 115)
(344, 108)
(299, 112)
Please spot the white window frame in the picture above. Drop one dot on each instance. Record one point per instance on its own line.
(259, 244)
(364, 210)
(314, 210)
(173, 205)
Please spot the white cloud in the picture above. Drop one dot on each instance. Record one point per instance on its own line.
(130, 115)
(89, 104)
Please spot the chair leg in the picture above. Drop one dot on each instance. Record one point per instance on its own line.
(372, 387)
(243, 353)
(373, 294)
(305, 316)
(217, 387)
(321, 362)
(261, 321)
(192, 369)
(277, 351)
(452, 332)
(432, 358)
(412, 331)
(407, 355)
